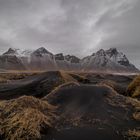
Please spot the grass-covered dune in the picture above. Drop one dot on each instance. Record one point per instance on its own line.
(25, 118)
(69, 106)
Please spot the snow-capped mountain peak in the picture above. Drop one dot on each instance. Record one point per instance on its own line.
(18, 52)
(101, 52)
(11, 51)
(110, 59)
(102, 60)
(72, 58)
(41, 52)
(59, 56)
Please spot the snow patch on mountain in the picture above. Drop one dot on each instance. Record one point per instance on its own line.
(102, 60)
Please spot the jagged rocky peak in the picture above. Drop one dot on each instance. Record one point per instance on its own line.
(104, 60)
(118, 56)
(59, 56)
(110, 59)
(11, 51)
(112, 51)
(41, 52)
(101, 52)
(72, 59)
(18, 52)
(9, 61)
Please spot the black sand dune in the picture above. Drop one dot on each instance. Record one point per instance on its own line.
(117, 82)
(92, 111)
(88, 106)
(38, 85)
(96, 78)
(84, 134)
(41, 84)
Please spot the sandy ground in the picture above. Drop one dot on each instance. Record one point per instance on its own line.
(88, 111)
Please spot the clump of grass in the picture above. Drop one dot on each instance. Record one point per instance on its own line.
(25, 125)
(134, 102)
(136, 105)
(134, 133)
(136, 116)
(109, 83)
(67, 77)
(133, 89)
(25, 118)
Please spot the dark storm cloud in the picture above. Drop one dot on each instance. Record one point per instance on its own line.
(77, 27)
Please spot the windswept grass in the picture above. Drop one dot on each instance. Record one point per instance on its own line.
(136, 105)
(6, 77)
(109, 83)
(133, 89)
(25, 118)
(80, 78)
(136, 116)
(67, 77)
(134, 134)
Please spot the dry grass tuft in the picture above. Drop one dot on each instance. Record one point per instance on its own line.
(134, 133)
(136, 104)
(108, 83)
(80, 78)
(25, 125)
(67, 77)
(136, 116)
(25, 118)
(133, 89)
(6, 77)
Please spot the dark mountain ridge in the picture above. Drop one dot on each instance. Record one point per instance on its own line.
(41, 59)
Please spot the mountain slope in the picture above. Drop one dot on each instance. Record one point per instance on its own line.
(10, 61)
(41, 59)
(108, 60)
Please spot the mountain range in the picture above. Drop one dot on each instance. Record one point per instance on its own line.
(41, 59)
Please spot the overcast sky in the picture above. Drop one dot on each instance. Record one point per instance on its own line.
(78, 27)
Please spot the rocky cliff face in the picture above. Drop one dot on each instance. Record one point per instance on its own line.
(11, 62)
(108, 60)
(42, 59)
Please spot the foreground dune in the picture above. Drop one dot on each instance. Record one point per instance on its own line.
(72, 106)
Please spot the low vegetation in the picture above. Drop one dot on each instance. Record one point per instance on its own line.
(133, 89)
(134, 134)
(7, 77)
(109, 83)
(25, 118)
(67, 77)
(80, 78)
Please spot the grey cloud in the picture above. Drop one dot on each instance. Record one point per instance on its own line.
(71, 26)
